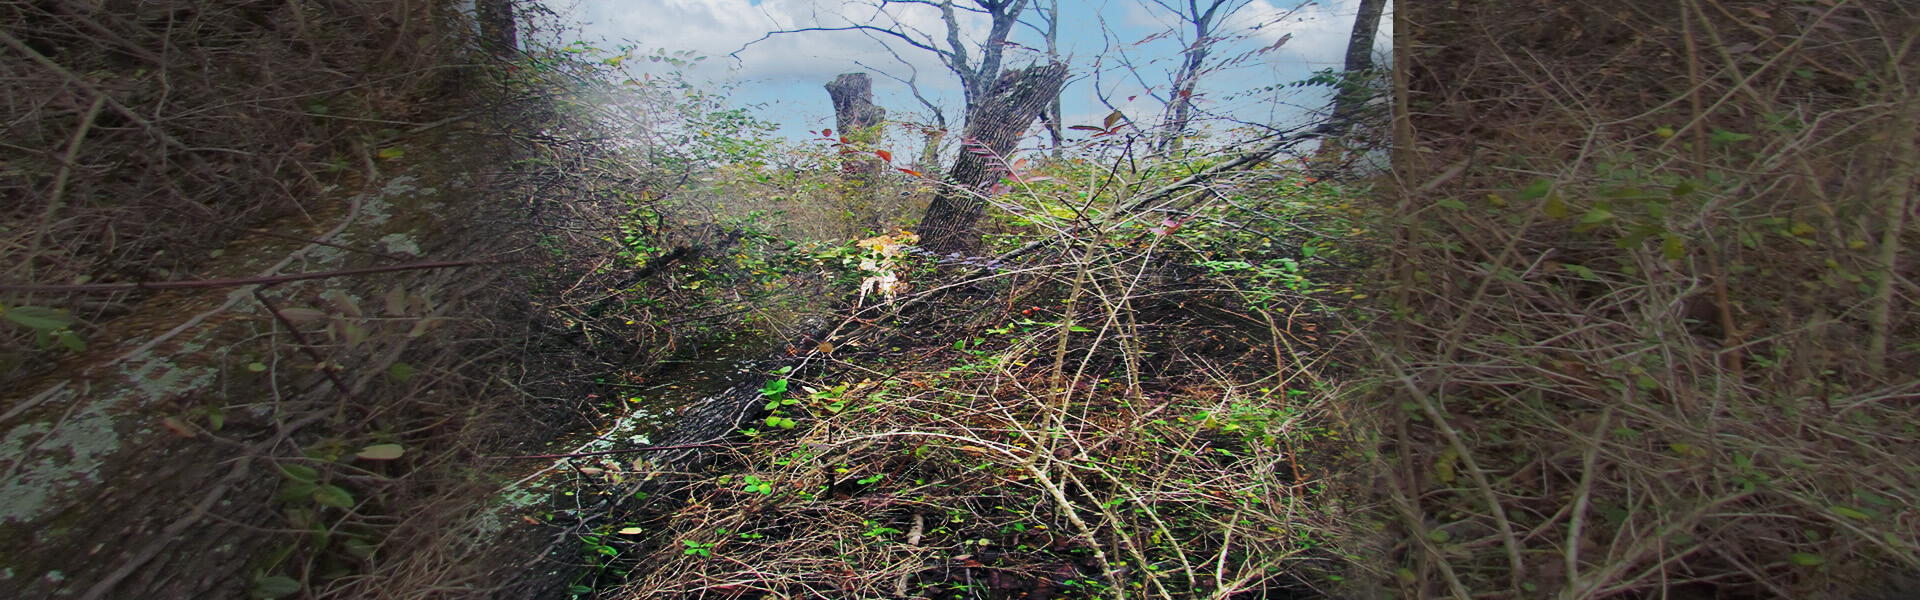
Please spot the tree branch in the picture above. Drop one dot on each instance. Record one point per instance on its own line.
(220, 283)
(903, 37)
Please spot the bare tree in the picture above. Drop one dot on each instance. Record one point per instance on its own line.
(1051, 16)
(1000, 104)
(499, 31)
(935, 129)
(1353, 91)
(1205, 24)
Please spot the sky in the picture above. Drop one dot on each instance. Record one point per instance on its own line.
(780, 78)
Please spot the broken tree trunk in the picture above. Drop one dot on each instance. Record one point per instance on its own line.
(995, 123)
(859, 121)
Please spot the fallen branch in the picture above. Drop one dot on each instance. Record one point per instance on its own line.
(626, 451)
(221, 283)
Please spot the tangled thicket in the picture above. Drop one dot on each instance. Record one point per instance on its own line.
(1654, 324)
(140, 136)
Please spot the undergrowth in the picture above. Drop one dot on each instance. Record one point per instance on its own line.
(1654, 328)
(1155, 411)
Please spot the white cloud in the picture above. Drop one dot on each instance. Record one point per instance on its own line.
(1320, 30)
(719, 28)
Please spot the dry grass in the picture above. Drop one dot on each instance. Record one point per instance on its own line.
(1654, 329)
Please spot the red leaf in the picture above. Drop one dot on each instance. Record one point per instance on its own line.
(826, 133)
(1086, 128)
(843, 140)
(1020, 164)
(1186, 93)
(1114, 118)
(910, 172)
(884, 155)
(179, 428)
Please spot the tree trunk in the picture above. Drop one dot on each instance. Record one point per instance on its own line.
(858, 121)
(1353, 91)
(1054, 127)
(995, 124)
(1180, 110)
(499, 29)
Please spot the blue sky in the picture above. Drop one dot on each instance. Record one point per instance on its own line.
(783, 76)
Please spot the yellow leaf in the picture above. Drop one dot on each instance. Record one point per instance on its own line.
(1555, 207)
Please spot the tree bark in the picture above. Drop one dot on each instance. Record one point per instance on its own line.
(1054, 127)
(499, 29)
(1353, 91)
(858, 121)
(995, 124)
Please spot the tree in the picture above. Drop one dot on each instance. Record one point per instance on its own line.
(858, 120)
(1353, 91)
(1193, 63)
(1000, 104)
(1051, 16)
(997, 121)
(499, 31)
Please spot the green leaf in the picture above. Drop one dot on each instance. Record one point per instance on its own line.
(1453, 204)
(381, 452)
(298, 492)
(400, 371)
(1850, 513)
(1538, 190)
(71, 341)
(300, 473)
(333, 495)
(39, 317)
(1672, 247)
(1806, 560)
(1597, 215)
(1439, 536)
(1683, 188)
(1722, 136)
(1583, 272)
(256, 367)
(267, 588)
(357, 547)
(390, 153)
